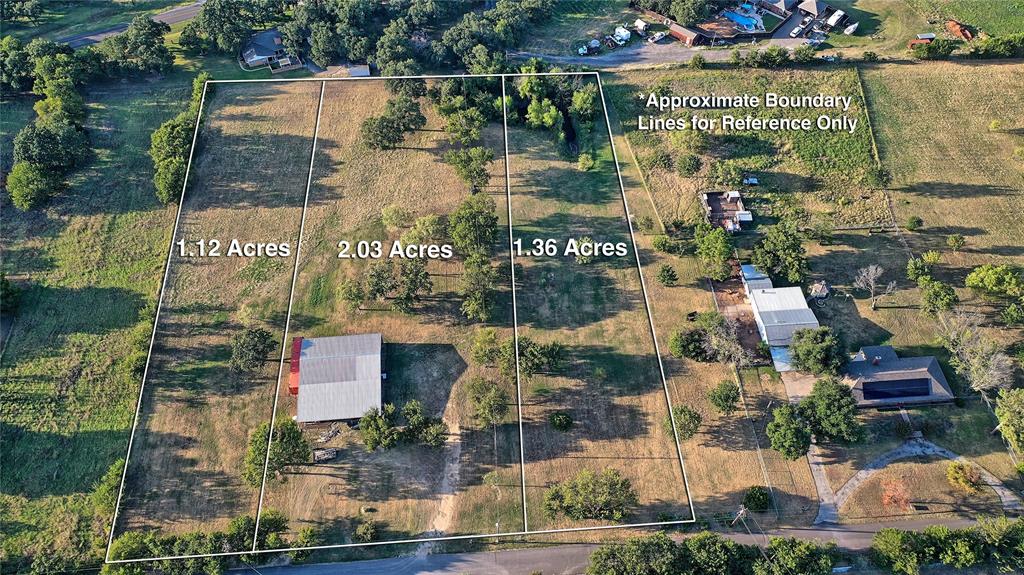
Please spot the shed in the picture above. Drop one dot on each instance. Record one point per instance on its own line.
(929, 36)
(361, 71)
(779, 312)
(878, 376)
(339, 377)
(687, 36)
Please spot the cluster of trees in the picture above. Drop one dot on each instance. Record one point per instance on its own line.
(534, 358)
(545, 102)
(829, 413)
(489, 400)
(936, 296)
(1010, 412)
(171, 143)
(380, 282)
(687, 422)
(781, 254)
(708, 553)
(606, 495)
(224, 25)
(979, 360)
(993, 542)
(380, 430)
(289, 447)
(1003, 282)
(713, 249)
(237, 537)
(473, 228)
(937, 49)
(685, 12)
(480, 38)
(772, 57)
(713, 338)
(401, 115)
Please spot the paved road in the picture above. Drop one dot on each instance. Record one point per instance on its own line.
(172, 16)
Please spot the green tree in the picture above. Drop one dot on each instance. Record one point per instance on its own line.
(289, 447)
(222, 25)
(61, 105)
(1000, 280)
(817, 351)
(15, 65)
(413, 282)
(394, 216)
(936, 296)
(490, 402)
(323, 44)
(787, 556)
(757, 499)
(584, 103)
(914, 223)
(955, 242)
(380, 280)
(366, 531)
(542, 114)
(788, 433)
(803, 54)
(464, 126)
(831, 411)
(691, 344)
(588, 495)
(377, 428)
(561, 421)
(476, 286)
(352, 293)
(937, 49)
(653, 554)
(249, 349)
(405, 112)
(1010, 412)
(899, 551)
(667, 275)
(307, 537)
(687, 422)
(57, 147)
(424, 230)
(713, 252)
(931, 257)
(917, 269)
(697, 62)
(471, 164)
(10, 295)
(138, 50)
(381, 132)
(485, 346)
(689, 12)
(30, 185)
(473, 225)
(724, 396)
(781, 253)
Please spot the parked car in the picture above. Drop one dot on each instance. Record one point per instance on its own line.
(797, 31)
(656, 37)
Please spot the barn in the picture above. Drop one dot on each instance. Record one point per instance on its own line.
(336, 378)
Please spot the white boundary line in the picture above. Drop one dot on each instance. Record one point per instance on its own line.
(152, 337)
(522, 451)
(647, 303)
(288, 318)
(515, 314)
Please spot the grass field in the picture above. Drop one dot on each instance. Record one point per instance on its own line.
(611, 386)
(995, 17)
(62, 19)
(246, 183)
(575, 22)
(412, 490)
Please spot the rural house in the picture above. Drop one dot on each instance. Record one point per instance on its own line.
(880, 377)
(336, 378)
(266, 48)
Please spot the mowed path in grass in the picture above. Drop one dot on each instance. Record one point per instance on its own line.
(247, 183)
(404, 489)
(611, 385)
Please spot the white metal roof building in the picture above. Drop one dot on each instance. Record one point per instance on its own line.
(340, 377)
(779, 312)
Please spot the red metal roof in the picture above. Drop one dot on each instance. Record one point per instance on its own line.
(293, 370)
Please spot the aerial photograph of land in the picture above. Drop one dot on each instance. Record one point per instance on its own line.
(601, 287)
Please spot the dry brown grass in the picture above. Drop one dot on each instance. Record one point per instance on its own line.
(612, 386)
(925, 481)
(428, 350)
(247, 183)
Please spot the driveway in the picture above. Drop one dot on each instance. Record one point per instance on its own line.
(170, 17)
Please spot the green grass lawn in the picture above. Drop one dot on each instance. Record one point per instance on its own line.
(996, 17)
(575, 22)
(63, 18)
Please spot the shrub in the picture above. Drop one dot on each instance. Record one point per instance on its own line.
(366, 531)
(955, 242)
(490, 402)
(667, 275)
(644, 224)
(394, 216)
(656, 159)
(757, 499)
(803, 54)
(606, 495)
(899, 551)
(585, 162)
(485, 346)
(725, 396)
(697, 62)
(870, 56)
(667, 245)
(687, 422)
(687, 164)
(937, 296)
(561, 421)
(963, 476)
(917, 269)
(914, 223)
(690, 344)
(250, 348)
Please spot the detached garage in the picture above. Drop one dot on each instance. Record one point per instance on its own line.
(337, 378)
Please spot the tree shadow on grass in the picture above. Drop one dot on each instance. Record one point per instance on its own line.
(956, 190)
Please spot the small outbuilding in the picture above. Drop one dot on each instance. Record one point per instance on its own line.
(337, 378)
(687, 36)
(879, 377)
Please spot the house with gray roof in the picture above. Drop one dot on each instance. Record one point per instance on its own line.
(879, 377)
(266, 48)
(337, 378)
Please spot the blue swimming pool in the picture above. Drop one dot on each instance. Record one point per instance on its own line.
(746, 22)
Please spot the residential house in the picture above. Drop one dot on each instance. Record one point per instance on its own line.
(879, 377)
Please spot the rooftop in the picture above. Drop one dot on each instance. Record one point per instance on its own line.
(339, 377)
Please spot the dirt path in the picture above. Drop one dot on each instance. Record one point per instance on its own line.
(442, 520)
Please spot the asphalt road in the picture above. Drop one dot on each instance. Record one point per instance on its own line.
(172, 16)
(572, 559)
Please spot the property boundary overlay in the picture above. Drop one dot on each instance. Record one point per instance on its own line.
(526, 531)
